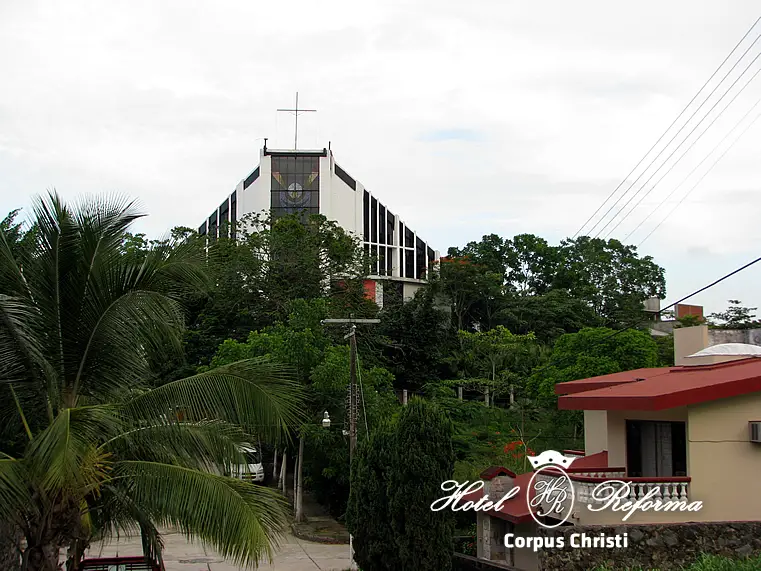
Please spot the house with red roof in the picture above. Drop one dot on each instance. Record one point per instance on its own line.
(683, 434)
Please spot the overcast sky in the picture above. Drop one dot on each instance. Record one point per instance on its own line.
(465, 118)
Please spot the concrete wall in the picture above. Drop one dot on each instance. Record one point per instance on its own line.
(725, 467)
(719, 336)
(689, 340)
(595, 431)
(663, 547)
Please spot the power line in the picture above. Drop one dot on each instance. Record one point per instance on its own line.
(665, 132)
(688, 134)
(699, 180)
(664, 175)
(640, 321)
(677, 187)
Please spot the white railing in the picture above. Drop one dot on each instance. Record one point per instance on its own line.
(585, 481)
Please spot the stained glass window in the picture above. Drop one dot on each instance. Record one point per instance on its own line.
(295, 185)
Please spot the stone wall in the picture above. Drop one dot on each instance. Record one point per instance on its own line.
(462, 562)
(663, 547)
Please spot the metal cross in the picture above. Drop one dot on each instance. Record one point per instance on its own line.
(296, 111)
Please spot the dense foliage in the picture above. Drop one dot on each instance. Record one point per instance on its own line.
(502, 320)
(400, 478)
(87, 447)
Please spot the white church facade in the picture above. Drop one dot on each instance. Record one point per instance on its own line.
(311, 181)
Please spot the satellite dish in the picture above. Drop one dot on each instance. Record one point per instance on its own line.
(729, 350)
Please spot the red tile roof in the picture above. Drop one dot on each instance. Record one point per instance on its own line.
(599, 460)
(608, 380)
(659, 389)
(515, 510)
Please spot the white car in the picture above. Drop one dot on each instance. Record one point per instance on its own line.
(252, 470)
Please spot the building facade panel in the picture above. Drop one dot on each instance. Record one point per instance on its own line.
(312, 182)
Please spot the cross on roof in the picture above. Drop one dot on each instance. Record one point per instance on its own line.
(296, 112)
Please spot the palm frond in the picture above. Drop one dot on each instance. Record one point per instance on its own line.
(256, 394)
(199, 445)
(253, 520)
(14, 495)
(61, 457)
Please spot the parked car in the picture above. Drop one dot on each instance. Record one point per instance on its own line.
(252, 470)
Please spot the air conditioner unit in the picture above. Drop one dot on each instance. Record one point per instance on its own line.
(755, 431)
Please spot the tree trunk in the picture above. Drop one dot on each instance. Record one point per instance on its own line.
(486, 396)
(274, 467)
(283, 473)
(10, 542)
(296, 467)
(300, 483)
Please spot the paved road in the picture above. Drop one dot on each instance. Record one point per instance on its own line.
(179, 555)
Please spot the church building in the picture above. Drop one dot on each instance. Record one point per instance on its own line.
(311, 181)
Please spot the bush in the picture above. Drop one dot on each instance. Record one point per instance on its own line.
(396, 474)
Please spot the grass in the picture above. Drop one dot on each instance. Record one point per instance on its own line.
(707, 563)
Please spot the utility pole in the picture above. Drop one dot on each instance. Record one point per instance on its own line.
(353, 401)
(353, 389)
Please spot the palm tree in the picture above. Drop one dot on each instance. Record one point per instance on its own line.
(87, 447)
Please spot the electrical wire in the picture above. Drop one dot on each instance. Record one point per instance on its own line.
(667, 130)
(664, 175)
(362, 394)
(699, 180)
(677, 187)
(641, 321)
(687, 137)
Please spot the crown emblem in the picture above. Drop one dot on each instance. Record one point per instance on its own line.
(551, 457)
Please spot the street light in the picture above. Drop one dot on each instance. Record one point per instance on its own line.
(326, 420)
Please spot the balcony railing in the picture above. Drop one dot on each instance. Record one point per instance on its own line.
(585, 480)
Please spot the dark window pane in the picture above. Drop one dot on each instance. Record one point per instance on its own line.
(342, 174)
(366, 214)
(278, 181)
(409, 264)
(409, 240)
(251, 178)
(374, 262)
(390, 228)
(422, 259)
(381, 224)
(202, 229)
(374, 220)
(382, 260)
(431, 254)
(390, 261)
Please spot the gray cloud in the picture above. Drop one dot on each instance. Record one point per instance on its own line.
(503, 117)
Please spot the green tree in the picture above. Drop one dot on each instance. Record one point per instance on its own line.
(592, 352)
(260, 266)
(466, 284)
(396, 475)
(609, 276)
(548, 316)
(736, 316)
(414, 338)
(80, 323)
(368, 513)
(422, 459)
(501, 355)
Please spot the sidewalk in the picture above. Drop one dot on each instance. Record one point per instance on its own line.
(179, 555)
